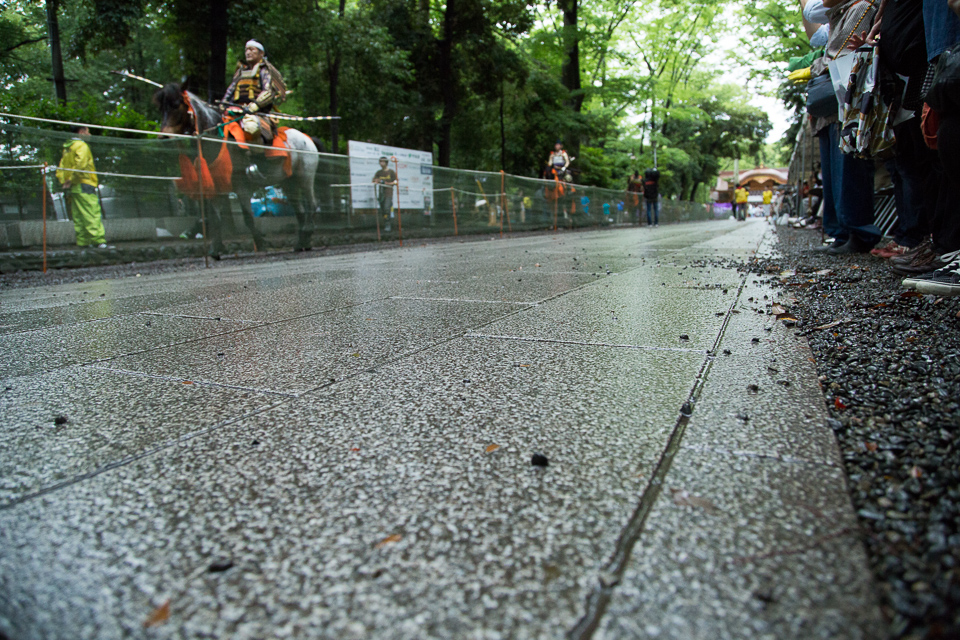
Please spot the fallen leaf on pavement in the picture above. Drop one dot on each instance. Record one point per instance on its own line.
(916, 472)
(493, 447)
(684, 499)
(838, 404)
(389, 540)
(160, 615)
(830, 325)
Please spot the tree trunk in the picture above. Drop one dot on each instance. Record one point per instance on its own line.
(53, 33)
(447, 88)
(570, 72)
(217, 64)
(503, 132)
(693, 189)
(335, 86)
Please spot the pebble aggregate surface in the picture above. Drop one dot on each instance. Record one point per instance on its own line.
(603, 434)
(888, 361)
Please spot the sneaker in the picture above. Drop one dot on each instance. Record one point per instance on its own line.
(907, 256)
(924, 261)
(945, 281)
(853, 245)
(104, 245)
(911, 282)
(889, 250)
(185, 235)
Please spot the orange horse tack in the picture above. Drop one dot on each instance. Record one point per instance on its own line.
(277, 149)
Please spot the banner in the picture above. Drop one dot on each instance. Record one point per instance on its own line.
(414, 173)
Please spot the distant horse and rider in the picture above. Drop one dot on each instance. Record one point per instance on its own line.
(247, 152)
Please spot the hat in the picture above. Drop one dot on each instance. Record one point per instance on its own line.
(255, 44)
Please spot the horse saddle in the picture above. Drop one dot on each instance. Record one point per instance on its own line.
(259, 126)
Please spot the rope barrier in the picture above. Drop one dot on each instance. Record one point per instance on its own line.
(95, 126)
(181, 136)
(27, 166)
(474, 193)
(114, 175)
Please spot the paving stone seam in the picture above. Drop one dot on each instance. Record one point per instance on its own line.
(523, 302)
(760, 456)
(587, 344)
(612, 572)
(180, 315)
(70, 324)
(253, 325)
(198, 382)
(138, 456)
(165, 445)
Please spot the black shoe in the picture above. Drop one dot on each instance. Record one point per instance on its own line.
(827, 247)
(851, 246)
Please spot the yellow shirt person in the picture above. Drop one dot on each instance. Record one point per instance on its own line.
(741, 196)
(75, 174)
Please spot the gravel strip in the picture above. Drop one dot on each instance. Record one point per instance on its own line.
(889, 365)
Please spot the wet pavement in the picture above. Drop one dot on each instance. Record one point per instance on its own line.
(341, 447)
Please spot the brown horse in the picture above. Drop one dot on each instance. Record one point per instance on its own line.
(182, 112)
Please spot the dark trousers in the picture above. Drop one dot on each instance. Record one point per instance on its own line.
(831, 222)
(916, 183)
(946, 218)
(847, 191)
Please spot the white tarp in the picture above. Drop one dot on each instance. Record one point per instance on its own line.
(414, 173)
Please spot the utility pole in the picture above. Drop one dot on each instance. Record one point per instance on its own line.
(53, 34)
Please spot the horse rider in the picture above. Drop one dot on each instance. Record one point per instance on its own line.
(559, 160)
(256, 85)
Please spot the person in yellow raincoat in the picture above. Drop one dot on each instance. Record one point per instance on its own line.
(73, 174)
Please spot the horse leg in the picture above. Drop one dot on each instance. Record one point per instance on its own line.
(214, 210)
(244, 193)
(306, 207)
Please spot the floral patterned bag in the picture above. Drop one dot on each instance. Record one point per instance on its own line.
(866, 121)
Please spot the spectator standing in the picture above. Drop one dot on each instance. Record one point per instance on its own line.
(941, 20)
(635, 189)
(767, 201)
(385, 180)
(916, 182)
(77, 174)
(651, 195)
(847, 180)
(741, 195)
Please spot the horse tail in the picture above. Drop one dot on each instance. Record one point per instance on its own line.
(321, 147)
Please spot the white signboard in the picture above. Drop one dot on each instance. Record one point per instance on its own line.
(414, 173)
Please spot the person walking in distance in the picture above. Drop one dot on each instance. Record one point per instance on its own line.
(741, 195)
(651, 194)
(635, 190)
(77, 175)
(385, 180)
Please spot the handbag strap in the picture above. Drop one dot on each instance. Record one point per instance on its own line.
(854, 30)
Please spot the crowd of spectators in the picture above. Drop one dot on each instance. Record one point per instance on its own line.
(910, 37)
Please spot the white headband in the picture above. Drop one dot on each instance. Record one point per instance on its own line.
(254, 43)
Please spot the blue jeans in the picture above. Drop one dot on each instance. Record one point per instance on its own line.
(941, 27)
(831, 223)
(653, 205)
(847, 191)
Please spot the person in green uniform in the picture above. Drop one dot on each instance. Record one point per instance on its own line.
(75, 174)
(385, 180)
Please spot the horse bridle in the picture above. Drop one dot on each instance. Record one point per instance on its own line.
(191, 114)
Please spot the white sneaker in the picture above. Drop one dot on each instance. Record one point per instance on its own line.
(104, 245)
